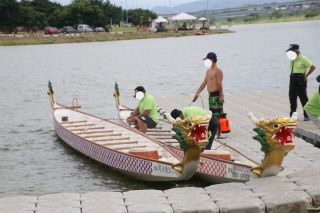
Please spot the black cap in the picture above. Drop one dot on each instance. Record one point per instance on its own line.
(140, 89)
(212, 56)
(318, 78)
(293, 47)
(175, 113)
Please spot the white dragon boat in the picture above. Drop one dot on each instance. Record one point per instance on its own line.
(222, 164)
(118, 146)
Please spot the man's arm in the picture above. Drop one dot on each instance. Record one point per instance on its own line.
(135, 113)
(312, 68)
(219, 80)
(146, 112)
(202, 86)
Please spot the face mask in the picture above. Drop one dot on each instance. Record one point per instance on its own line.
(207, 63)
(291, 55)
(139, 95)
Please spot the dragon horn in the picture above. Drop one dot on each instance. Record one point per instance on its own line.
(294, 116)
(252, 117)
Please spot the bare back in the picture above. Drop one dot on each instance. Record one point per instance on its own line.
(212, 79)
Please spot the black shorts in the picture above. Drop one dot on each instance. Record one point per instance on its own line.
(147, 120)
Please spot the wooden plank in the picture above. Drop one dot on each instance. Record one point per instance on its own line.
(99, 136)
(171, 142)
(80, 125)
(94, 132)
(129, 147)
(72, 122)
(85, 129)
(162, 138)
(159, 134)
(157, 130)
(110, 139)
(120, 143)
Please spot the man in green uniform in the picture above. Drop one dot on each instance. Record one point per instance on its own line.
(145, 115)
(301, 68)
(312, 107)
(188, 112)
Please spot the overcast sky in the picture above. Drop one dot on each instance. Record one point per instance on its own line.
(146, 4)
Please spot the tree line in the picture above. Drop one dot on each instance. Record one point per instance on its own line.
(37, 14)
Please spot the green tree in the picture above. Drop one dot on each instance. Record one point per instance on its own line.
(276, 14)
(29, 17)
(9, 13)
(140, 16)
(251, 17)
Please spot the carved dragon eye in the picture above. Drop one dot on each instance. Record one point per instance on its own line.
(275, 126)
(190, 124)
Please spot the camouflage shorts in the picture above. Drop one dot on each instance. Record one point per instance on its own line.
(215, 106)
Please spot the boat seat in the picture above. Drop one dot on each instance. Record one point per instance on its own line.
(129, 147)
(100, 136)
(220, 154)
(120, 143)
(95, 132)
(145, 152)
(80, 125)
(73, 122)
(111, 139)
(86, 129)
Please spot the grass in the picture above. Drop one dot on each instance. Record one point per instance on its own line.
(27, 39)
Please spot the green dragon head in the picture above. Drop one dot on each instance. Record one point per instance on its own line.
(276, 138)
(192, 131)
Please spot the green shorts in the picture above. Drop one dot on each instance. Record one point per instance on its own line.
(215, 106)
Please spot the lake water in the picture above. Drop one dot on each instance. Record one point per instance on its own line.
(34, 161)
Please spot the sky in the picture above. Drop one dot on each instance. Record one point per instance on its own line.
(145, 4)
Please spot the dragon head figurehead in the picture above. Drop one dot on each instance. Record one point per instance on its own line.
(192, 131)
(276, 138)
(192, 135)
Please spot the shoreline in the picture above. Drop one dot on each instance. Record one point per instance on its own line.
(36, 39)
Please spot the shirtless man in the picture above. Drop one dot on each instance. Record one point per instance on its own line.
(213, 81)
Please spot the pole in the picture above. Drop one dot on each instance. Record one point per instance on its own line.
(207, 15)
(127, 10)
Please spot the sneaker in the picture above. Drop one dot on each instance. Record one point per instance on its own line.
(306, 119)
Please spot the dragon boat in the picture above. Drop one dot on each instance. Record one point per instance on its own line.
(222, 164)
(120, 147)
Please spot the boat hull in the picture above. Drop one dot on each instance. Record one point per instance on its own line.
(138, 168)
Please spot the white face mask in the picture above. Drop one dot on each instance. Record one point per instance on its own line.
(207, 63)
(292, 55)
(139, 95)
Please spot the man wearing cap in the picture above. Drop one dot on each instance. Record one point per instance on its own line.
(312, 107)
(145, 115)
(301, 68)
(213, 81)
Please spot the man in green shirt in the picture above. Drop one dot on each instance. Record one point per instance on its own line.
(301, 68)
(145, 115)
(312, 107)
(188, 112)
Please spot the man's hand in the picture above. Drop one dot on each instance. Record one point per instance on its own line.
(305, 79)
(221, 99)
(195, 97)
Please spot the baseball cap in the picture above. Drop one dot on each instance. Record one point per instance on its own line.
(293, 47)
(175, 113)
(211, 56)
(140, 89)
